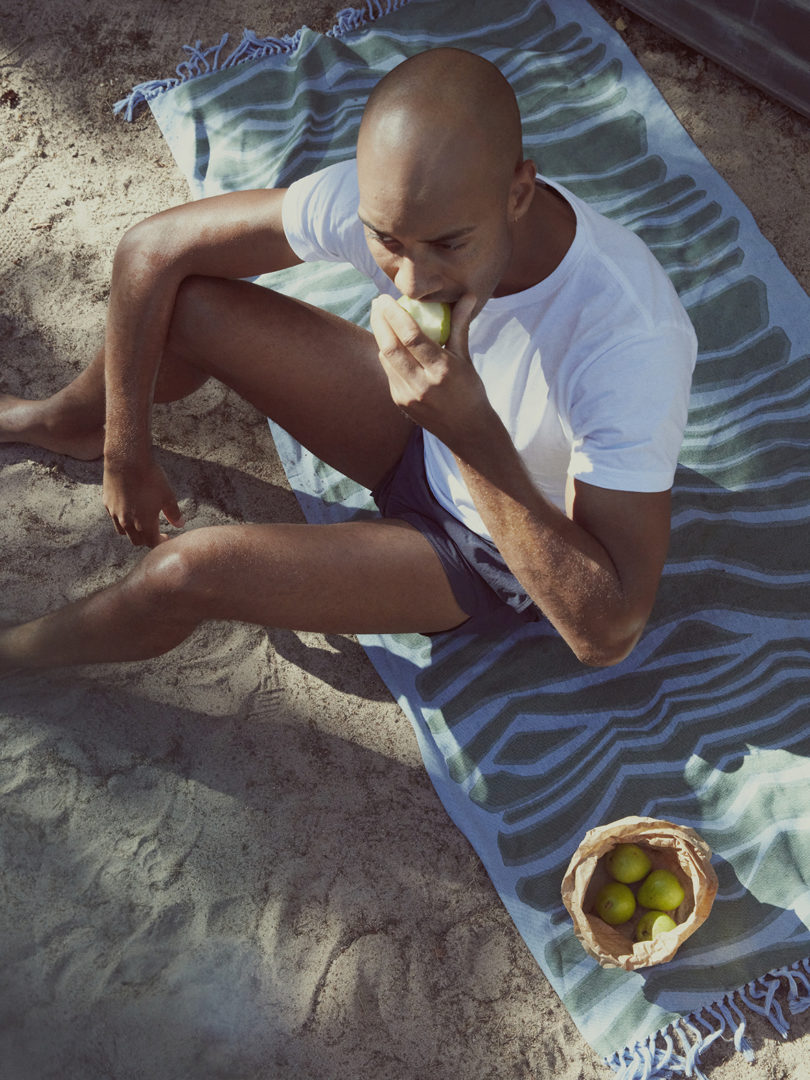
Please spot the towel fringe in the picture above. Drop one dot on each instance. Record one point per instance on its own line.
(350, 19)
(658, 1058)
(203, 61)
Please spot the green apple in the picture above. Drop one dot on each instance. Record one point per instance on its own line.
(628, 863)
(615, 903)
(661, 891)
(433, 319)
(653, 923)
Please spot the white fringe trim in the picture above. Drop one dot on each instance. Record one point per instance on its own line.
(203, 61)
(659, 1058)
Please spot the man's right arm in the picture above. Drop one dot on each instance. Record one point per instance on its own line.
(236, 235)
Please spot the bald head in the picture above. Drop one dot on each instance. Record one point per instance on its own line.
(444, 106)
(442, 181)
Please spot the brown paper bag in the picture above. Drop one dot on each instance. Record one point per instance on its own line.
(670, 847)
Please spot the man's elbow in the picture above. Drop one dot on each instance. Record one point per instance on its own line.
(594, 656)
(609, 647)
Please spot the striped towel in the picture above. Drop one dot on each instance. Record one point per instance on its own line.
(705, 723)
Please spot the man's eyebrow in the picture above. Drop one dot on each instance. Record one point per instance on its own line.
(373, 228)
(455, 234)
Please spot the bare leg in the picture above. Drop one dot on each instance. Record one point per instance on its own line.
(70, 422)
(319, 376)
(372, 576)
(314, 373)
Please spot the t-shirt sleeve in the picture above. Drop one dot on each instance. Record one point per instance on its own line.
(629, 412)
(320, 219)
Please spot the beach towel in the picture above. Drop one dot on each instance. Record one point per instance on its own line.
(705, 723)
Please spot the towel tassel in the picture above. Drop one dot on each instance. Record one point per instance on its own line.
(203, 61)
(657, 1057)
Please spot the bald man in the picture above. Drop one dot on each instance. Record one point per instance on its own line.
(527, 464)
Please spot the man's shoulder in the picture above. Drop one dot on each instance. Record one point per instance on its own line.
(325, 197)
(338, 179)
(321, 220)
(618, 264)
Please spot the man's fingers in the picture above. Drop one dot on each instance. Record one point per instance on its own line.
(149, 535)
(138, 518)
(463, 312)
(396, 330)
(136, 533)
(174, 515)
(398, 335)
(397, 361)
(137, 537)
(387, 341)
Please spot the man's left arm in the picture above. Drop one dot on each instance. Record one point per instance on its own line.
(594, 571)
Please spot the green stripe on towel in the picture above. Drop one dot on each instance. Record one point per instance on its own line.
(705, 723)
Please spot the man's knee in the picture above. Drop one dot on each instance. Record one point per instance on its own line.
(178, 576)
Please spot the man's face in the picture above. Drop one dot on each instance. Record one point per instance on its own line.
(437, 233)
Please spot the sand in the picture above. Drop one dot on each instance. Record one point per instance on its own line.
(229, 863)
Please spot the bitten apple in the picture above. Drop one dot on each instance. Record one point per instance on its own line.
(653, 923)
(433, 319)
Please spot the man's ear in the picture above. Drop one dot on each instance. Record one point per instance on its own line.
(522, 189)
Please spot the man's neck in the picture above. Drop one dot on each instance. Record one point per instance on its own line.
(545, 235)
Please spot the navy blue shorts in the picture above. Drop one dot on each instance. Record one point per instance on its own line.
(482, 583)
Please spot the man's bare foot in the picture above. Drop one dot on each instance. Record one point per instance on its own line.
(9, 663)
(8, 666)
(37, 423)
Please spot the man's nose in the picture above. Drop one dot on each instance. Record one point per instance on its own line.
(414, 279)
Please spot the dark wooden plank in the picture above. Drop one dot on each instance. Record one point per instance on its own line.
(766, 42)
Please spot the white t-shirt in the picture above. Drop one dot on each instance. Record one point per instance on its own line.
(589, 370)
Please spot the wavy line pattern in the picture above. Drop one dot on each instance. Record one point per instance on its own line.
(705, 723)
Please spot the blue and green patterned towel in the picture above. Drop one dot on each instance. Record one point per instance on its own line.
(706, 722)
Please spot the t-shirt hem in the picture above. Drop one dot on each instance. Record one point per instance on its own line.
(640, 483)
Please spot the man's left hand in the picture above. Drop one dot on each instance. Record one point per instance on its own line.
(438, 388)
